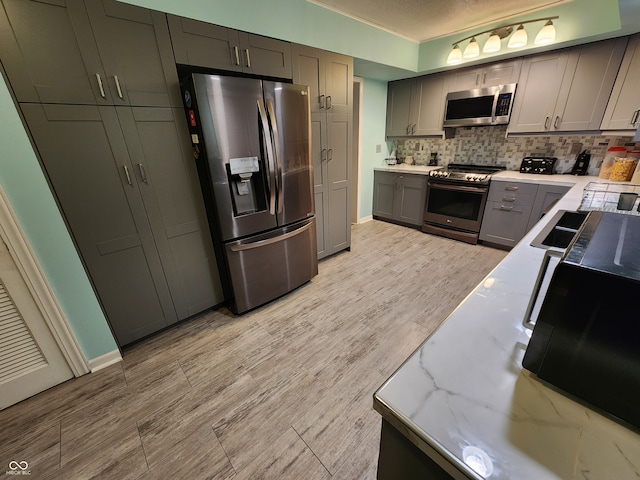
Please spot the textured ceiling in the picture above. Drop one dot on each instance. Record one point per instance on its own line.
(422, 20)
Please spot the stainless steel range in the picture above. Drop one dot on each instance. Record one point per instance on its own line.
(456, 196)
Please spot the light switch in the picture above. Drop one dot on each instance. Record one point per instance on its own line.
(378, 148)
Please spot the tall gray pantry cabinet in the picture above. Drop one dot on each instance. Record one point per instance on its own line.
(330, 80)
(97, 87)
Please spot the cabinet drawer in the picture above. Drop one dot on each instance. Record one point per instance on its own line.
(512, 198)
(504, 224)
(512, 188)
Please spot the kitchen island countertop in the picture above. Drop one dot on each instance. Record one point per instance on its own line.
(465, 389)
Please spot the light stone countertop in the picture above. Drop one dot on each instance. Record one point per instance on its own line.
(403, 168)
(465, 386)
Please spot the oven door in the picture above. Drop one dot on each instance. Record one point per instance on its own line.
(455, 206)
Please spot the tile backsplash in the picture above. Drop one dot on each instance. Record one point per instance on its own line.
(491, 146)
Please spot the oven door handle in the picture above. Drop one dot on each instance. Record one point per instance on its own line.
(457, 188)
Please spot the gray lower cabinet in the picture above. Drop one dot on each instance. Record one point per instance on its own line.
(129, 194)
(399, 197)
(513, 208)
(99, 52)
(203, 44)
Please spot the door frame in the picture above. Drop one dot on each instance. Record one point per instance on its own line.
(13, 236)
(356, 156)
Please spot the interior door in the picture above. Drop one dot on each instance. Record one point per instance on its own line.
(30, 359)
(288, 108)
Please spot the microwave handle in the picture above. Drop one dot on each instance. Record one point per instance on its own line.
(528, 322)
(495, 106)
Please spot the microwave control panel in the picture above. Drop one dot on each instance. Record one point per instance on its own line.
(504, 102)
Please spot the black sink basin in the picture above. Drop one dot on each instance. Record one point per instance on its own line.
(560, 231)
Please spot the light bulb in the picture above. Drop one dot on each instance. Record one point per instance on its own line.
(455, 56)
(493, 44)
(547, 35)
(519, 39)
(472, 50)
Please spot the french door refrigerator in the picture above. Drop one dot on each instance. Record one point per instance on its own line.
(251, 143)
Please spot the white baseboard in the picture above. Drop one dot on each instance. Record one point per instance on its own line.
(365, 219)
(103, 361)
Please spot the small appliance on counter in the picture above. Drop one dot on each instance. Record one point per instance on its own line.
(582, 164)
(540, 165)
(586, 336)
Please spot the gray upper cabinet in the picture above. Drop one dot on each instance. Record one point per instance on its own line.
(135, 49)
(330, 80)
(130, 198)
(329, 77)
(104, 53)
(500, 73)
(553, 87)
(203, 44)
(623, 109)
(58, 64)
(416, 106)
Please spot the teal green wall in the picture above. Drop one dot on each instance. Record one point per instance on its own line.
(374, 112)
(30, 197)
(300, 22)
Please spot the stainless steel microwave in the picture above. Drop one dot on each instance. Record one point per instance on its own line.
(480, 106)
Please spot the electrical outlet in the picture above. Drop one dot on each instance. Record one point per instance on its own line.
(378, 148)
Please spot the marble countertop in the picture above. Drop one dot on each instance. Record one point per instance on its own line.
(404, 168)
(464, 388)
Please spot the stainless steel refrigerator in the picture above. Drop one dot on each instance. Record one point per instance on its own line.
(251, 143)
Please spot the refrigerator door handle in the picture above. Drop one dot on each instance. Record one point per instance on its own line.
(269, 241)
(270, 162)
(278, 158)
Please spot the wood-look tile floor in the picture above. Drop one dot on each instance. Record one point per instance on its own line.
(284, 392)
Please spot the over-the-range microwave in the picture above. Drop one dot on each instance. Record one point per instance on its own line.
(480, 106)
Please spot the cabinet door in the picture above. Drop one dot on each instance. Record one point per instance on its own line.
(202, 44)
(546, 197)
(385, 186)
(624, 104)
(264, 56)
(538, 92)
(339, 130)
(320, 182)
(504, 224)
(339, 83)
(160, 151)
(488, 75)
(399, 107)
(309, 69)
(86, 160)
(135, 48)
(412, 199)
(429, 102)
(48, 51)
(590, 74)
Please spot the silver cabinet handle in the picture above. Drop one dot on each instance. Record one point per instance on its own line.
(634, 117)
(506, 208)
(330, 154)
(323, 155)
(484, 77)
(546, 123)
(328, 102)
(413, 128)
(126, 172)
(115, 78)
(477, 78)
(102, 94)
(511, 188)
(408, 129)
(557, 120)
(246, 52)
(235, 50)
(321, 101)
(143, 173)
(508, 199)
